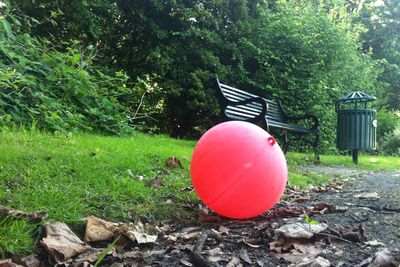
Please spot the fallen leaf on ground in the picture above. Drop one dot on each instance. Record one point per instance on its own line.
(295, 250)
(368, 195)
(383, 258)
(315, 262)
(186, 263)
(99, 230)
(173, 162)
(156, 182)
(223, 230)
(322, 208)
(141, 232)
(61, 243)
(209, 218)
(36, 215)
(9, 263)
(374, 243)
(355, 235)
(166, 228)
(204, 209)
(234, 262)
(301, 230)
(245, 256)
(87, 258)
(253, 242)
(289, 211)
(31, 261)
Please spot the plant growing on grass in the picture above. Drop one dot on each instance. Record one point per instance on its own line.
(106, 251)
(59, 90)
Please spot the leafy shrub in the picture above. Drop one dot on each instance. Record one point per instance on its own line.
(391, 143)
(58, 90)
(387, 122)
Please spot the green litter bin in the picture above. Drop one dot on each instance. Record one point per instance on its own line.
(356, 124)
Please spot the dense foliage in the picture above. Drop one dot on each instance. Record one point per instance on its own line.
(306, 53)
(46, 88)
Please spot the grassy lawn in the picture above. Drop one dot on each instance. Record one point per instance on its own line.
(72, 176)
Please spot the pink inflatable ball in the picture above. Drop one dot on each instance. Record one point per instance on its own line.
(238, 170)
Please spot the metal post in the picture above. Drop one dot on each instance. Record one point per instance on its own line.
(355, 156)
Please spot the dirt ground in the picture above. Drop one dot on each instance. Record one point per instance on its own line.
(357, 206)
(352, 221)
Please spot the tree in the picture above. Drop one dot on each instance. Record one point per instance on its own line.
(383, 39)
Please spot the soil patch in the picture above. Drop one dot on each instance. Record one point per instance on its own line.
(366, 220)
(345, 223)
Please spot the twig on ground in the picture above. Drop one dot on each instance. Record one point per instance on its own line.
(198, 259)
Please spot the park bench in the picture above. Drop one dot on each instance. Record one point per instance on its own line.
(269, 114)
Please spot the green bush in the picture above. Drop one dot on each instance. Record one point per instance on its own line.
(391, 143)
(55, 89)
(387, 122)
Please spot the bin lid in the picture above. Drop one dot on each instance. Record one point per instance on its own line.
(356, 97)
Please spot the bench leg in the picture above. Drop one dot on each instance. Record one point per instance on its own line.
(285, 142)
(315, 146)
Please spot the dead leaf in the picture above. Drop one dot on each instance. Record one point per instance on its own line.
(315, 262)
(35, 216)
(322, 208)
(209, 218)
(166, 228)
(301, 198)
(29, 261)
(99, 230)
(186, 263)
(355, 235)
(9, 263)
(173, 162)
(204, 210)
(214, 252)
(141, 232)
(156, 182)
(368, 195)
(184, 247)
(245, 256)
(234, 262)
(289, 211)
(374, 243)
(253, 242)
(300, 230)
(61, 243)
(191, 229)
(223, 230)
(295, 250)
(88, 257)
(383, 258)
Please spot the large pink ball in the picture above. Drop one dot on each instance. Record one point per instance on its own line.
(238, 170)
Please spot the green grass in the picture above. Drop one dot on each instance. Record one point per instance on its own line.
(366, 161)
(73, 176)
(16, 236)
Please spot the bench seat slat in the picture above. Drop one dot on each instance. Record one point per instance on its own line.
(288, 127)
(242, 109)
(242, 115)
(273, 109)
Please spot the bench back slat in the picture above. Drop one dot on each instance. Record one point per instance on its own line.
(250, 110)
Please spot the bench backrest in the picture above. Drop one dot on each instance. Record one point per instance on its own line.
(242, 112)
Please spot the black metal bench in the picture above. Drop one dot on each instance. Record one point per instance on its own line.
(269, 114)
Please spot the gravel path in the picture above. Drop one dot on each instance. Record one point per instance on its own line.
(371, 211)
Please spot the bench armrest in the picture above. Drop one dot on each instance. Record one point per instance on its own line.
(303, 117)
